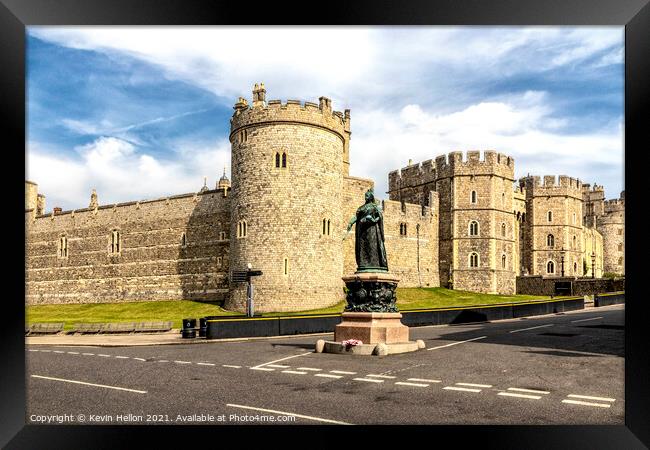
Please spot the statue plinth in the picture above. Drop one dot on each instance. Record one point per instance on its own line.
(371, 316)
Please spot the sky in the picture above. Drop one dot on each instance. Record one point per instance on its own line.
(143, 112)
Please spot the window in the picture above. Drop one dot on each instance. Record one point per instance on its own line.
(575, 267)
(115, 242)
(503, 199)
(472, 197)
(63, 247)
(550, 240)
(503, 230)
(326, 227)
(286, 266)
(473, 259)
(574, 218)
(241, 229)
(281, 160)
(620, 231)
(620, 261)
(402, 229)
(549, 216)
(183, 240)
(550, 267)
(503, 261)
(284, 160)
(620, 247)
(575, 243)
(219, 261)
(243, 136)
(473, 228)
(222, 235)
(277, 160)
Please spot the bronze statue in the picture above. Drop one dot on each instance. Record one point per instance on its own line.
(369, 247)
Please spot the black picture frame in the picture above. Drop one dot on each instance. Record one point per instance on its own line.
(15, 15)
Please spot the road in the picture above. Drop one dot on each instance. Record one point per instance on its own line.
(565, 368)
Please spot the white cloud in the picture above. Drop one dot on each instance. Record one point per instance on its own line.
(121, 172)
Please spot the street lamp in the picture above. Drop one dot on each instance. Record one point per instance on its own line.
(593, 265)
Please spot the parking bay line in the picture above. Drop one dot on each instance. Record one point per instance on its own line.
(205, 364)
(532, 391)
(327, 375)
(295, 372)
(369, 380)
(585, 320)
(425, 380)
(343, 372)
(267, 369)
(454, 388)
(282, 359)
(587, 397)
(380, 376)
(231, 366)
(577, 402)
(404, 383)
(474, 385)
(310, 368)
(456, 343)
(90, 384)
(277, 366)
(531, 328)
(512, 394)
(317, 419)
(183, 362)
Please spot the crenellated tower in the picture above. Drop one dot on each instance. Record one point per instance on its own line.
(288, 164)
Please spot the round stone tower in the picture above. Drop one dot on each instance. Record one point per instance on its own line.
(288, 163)
(612, 226)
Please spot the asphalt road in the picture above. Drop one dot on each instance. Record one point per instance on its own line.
(565, 368)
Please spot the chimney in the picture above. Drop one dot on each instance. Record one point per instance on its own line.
(57, 210)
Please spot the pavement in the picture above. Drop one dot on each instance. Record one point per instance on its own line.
(565, 368)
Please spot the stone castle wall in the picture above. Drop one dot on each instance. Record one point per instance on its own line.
(152, 263)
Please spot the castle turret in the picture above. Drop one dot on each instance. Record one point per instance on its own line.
(612, 226)
(94, 202)
(224, 183)
(290, 230)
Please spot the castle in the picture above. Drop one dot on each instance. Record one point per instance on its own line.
(455, 222)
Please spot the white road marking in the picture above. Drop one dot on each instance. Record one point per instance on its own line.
(104, 355)
(343, 372)
(57, 351)
(294, 372)
(140, 359)
(454, 388)
(205, 364)
(369, 380)
(163, 360)
(586, 397)
(231, 366)
(425, 380)
(90, 384)
(585, 320)
(278, 366)
(183, 362)
(309, 368)
(318, 419)
(474, 385)
(531, 328)
(512, 394)
(404, 383)
(282, 359)
(532, 391)
(262, 368)
(46, 351)
(88, 354)
(576, 402)
(380, 376)
(327, 375)
(33, 350)
(73, 353)
(122, 357)
(456, 343)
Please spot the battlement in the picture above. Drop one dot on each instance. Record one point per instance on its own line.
(293, 111)
(550, 181)
(586, 187)
(473, 158)
(614, 205)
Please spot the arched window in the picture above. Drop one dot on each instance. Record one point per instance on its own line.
(503, 261)
(575, 267)
(620, 247)
(503, 199)
(473, 228)
(115, 242)
(63, 247)
(550, 240)
(550, 267)
(503, 230)
(284, 160)
(222, 235)
(472, 197)
(277, 160)
(219, 261)
(549, 216)
(183, 239)
(402, 229)
(575, 243)
(328, 227)
(241, 229)
(473, 259)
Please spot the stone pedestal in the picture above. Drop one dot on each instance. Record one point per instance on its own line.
(371, 316)
(372, 328)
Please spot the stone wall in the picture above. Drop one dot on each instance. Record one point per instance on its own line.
(612, 226)
(152, 262)
(538, 285)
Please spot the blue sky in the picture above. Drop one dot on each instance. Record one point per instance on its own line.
(143, 112)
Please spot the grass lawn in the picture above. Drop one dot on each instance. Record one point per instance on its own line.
(176, 311)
